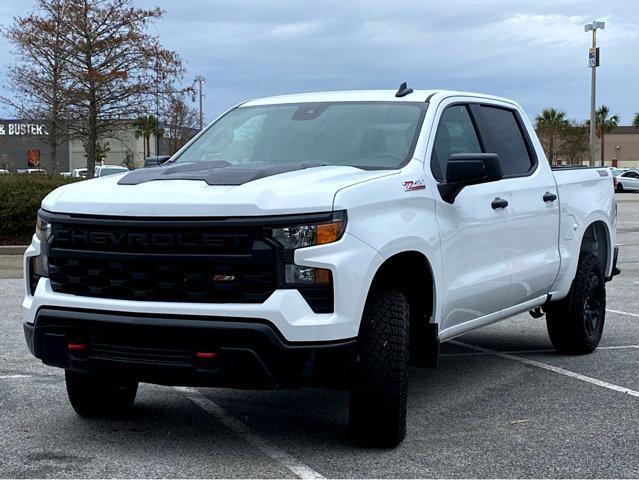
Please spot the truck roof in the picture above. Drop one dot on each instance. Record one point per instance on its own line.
(363, 96)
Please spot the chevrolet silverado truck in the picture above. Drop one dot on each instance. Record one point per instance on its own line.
(327, 240)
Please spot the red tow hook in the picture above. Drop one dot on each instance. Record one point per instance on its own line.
(76, 347)
(206, 355)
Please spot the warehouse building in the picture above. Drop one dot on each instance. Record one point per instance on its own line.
(621, 147)
(23, 145)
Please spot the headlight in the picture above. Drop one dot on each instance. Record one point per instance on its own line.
(40, 264)
(43, 229)
(307, 235)
(299, 236)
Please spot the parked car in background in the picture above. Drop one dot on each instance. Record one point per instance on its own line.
(4, 171)
(100, 171)
(104, 170)
(66, 174)
(155, 160)
(627, 180)
(40, 171)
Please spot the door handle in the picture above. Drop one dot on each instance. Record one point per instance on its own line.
(549, 197)
(499, 203)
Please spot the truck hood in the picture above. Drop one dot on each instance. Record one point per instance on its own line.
(301, 191)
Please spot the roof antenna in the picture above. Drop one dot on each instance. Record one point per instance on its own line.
(403, 90)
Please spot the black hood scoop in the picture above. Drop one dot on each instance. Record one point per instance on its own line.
(213, 173)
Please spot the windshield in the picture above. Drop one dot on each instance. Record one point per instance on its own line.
(367, 134)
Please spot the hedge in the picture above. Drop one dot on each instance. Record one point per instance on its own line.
(20, 198)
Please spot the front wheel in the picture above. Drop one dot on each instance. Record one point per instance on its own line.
(97, 395)
(575, 324)
(619, 187)
(377, 404)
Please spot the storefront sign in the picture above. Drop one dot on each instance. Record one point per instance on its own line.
(23, 129)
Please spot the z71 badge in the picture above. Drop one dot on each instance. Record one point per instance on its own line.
(410, 185)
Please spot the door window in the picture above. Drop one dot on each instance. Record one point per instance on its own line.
(503, 135)
(455, 134)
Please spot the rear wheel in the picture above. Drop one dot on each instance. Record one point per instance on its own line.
(97, 395)
(377, 407)
(576, 323)
(619, 187)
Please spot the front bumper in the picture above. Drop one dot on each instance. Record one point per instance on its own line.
(162, 349)
(352, 262)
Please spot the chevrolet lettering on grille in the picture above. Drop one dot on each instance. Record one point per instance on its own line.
(133, 239)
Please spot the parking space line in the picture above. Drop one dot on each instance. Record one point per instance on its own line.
(552, 368)
(526, 352)
(617, 347)
(3, 377)
(623, 313)
(289, 462)
(475, 354)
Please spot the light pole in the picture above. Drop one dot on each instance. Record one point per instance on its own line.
(200, 80)
(593, 63)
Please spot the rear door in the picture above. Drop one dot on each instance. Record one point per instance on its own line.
(531, 219)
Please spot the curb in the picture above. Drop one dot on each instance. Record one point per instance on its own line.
(12, 249)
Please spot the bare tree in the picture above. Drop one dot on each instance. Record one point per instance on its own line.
(117, 64)
(38, 78)
(180, 124)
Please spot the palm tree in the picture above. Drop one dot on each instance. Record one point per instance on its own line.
(604, 122)
(550, 124)
(145, 126)
(635, 120)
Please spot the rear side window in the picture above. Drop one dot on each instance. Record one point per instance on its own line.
(503, 135)
(455, 134)
(631, 174)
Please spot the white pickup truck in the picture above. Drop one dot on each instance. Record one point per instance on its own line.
(325, 239)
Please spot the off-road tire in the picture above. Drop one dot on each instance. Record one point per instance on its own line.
(377, 404)
(97, 396)
(576, 323)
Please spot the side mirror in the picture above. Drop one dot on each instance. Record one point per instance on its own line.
(469, 169)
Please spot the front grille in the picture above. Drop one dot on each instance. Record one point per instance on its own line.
(219, 260)
(169, 263)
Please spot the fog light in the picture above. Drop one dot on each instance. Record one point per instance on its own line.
(40, 266)
(296, 274)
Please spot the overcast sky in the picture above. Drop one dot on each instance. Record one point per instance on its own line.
(534, 51)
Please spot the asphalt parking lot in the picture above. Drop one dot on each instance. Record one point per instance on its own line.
(500, 404)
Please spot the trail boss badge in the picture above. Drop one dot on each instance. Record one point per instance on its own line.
(410, 185)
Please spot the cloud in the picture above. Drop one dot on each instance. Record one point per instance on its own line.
(532, 51)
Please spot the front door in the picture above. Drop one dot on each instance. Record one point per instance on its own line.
(474, 244)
